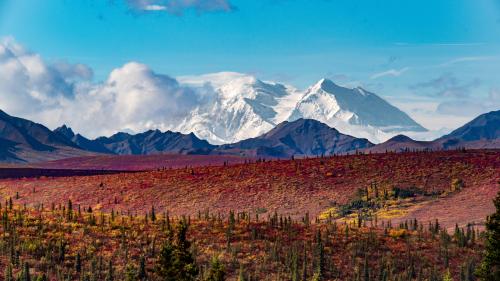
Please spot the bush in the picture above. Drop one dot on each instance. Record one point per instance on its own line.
(406, 192)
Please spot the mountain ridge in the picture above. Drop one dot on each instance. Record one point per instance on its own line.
(302, 137)
(145, 143)
(22, 140)
(245, 107)
(481, 132)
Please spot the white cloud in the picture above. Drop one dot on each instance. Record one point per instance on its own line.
(179, 6)
(28, 84)
(391, 72)
(155, 8)
(469, 59)
(133, 97)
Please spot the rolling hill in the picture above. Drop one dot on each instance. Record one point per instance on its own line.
(303, 137)
(22, 140)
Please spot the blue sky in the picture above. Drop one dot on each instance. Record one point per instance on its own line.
(417, 54)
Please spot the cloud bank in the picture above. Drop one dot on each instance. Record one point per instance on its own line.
(132, 98)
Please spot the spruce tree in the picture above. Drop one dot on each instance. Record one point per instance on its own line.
(447, 276)
(304, 264)
(8, 273)
(175, 262)
(141, 275)
(42, 277)
(25, 275)
(78, 263)
(70, 210)
(217, 271)
(131, 273)
(110, 275)
(153, 214)
(489, 269)
(241, 274)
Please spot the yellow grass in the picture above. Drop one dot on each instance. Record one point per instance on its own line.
(391, 213)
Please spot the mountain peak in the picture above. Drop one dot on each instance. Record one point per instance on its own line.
(32, 140)
(301, 137)
(353, 111)
(3, 114)
(303, 122)
(484, 127)
(325, 84)
(331, 87)
(400, 138)
(65, 131)
(302, 126)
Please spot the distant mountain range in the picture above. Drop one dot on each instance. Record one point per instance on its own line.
(150, 142)
(245, 107)
(22, 140)
(25, 141)
(482, 132)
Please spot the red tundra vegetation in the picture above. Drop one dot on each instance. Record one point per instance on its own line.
(409, 216)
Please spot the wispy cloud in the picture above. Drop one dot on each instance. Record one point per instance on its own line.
(475, 106)
(155, 8)
(447, 85)
(391, 72)
(180, 6)
(441, 44)
(469, 59)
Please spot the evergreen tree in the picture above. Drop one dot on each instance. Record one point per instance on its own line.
(110, 276)
(25, 275)
(42, 277)
(217, 271)
(304, 265)
(175, 262)
(316, 277)
(131, 273)
(141, 275)
(489, 269)
(320, 251)
(447, 276)
(295, 267)
(70, 210)
(8, 273)
(241, 275)
(153, 214)
(78, 263)
(366, 270)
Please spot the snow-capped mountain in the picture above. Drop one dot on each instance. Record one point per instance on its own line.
(244, 107)
(354, 112)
